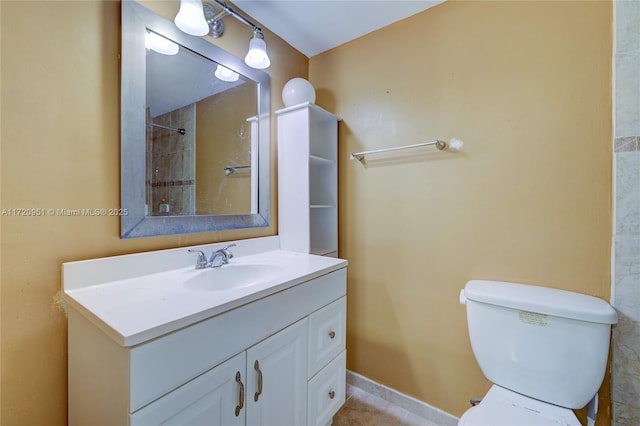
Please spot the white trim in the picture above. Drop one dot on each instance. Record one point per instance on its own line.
(410, 404)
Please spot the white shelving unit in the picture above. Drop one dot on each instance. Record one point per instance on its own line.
(308, 179)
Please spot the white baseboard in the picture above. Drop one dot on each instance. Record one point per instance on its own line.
(410, 404)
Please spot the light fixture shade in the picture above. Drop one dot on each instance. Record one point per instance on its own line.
(160, 44)
(297, 91)
(190, 18)
(257, 55)
(225, 74)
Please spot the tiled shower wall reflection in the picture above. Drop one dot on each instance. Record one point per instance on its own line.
(171, 163)
(626, 276)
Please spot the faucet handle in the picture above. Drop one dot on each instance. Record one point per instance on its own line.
(201, 263)
(228, 252)
(224, 254)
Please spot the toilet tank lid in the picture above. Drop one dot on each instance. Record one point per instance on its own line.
(543, 300)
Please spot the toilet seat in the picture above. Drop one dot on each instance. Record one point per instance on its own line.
(503, 407)
(494, 413)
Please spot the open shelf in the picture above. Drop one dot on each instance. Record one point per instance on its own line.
(308, 179)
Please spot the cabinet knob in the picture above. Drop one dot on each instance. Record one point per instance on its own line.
(332, 394)
(332, 334)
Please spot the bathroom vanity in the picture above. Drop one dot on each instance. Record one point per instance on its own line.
(258, 341)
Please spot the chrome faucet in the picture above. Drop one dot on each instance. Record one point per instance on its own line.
(221, 257)
(217, 259)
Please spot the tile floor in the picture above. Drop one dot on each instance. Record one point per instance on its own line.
(364, 409)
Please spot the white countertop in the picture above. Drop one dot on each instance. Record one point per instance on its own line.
(132, 310)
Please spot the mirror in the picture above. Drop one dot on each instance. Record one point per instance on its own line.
(194, 132)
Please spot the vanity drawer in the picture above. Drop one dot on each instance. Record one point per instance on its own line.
(327, 334)
(326, 391)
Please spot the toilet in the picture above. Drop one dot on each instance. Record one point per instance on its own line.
(545, 351)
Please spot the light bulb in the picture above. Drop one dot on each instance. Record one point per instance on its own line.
(257, 55)
(190, 18)
(225, 74)
(160, 44)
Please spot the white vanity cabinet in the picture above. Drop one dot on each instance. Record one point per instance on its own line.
(263, 385)
(278, 360)
(308, 179)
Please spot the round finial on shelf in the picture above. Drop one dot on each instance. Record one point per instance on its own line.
(296, 91)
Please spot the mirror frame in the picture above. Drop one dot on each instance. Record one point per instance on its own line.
(136, 223)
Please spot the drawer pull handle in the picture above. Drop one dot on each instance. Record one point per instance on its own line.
(241, 398)
(256, 366)
(332, 394)
(332, 334)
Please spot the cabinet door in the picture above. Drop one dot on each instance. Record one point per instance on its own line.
(277, 378)
(214, 398)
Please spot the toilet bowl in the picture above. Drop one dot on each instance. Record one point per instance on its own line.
(502, 407)
(545, 351)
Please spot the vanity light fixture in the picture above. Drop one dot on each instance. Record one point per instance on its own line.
(190, 18)
(257, 55)
(160, 44)
(197, 18)
(225, 74)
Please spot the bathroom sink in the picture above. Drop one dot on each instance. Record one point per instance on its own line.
(232, 276)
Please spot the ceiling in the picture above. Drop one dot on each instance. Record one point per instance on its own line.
(191, 70)
(314, 26)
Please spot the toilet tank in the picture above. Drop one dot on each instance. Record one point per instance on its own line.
(544, 343)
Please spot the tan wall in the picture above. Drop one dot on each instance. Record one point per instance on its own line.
(527, 86)
(60, 149)
(223, 142)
